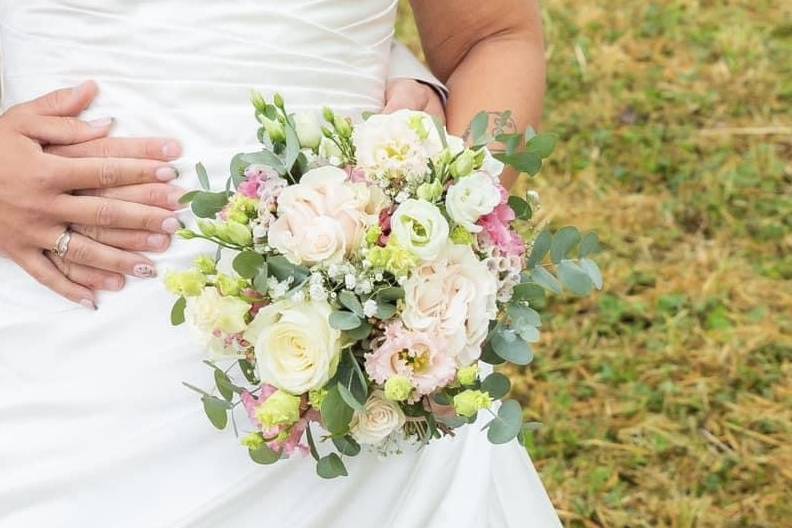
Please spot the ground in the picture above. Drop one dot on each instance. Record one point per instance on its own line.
(667, 398)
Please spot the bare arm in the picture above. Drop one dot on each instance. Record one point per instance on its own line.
(490, 54)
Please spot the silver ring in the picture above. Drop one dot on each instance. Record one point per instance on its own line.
(61, 246)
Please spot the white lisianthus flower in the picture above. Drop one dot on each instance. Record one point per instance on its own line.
(454, 298)
(296, 348)
(308, 130)
(330, 151)
(323, 218)
(397, 145)
(420, 228)
(471, 198)
(379, 418)
(211, 312)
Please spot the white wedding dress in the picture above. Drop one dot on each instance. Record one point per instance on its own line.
(96, 429)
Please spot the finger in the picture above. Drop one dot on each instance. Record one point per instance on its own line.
(405, 94)
(156, 194)
(96, 173)
(64, 130)
(83, 250)
(64, 102)
(435, 108)
(128, 239)
(87, 276)
(44, 271)
(161, 149)
(105, 212)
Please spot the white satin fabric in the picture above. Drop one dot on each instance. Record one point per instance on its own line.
(95, 427)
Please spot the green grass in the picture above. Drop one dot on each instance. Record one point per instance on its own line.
(667, 398)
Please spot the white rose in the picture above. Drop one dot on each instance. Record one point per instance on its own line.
(321, 219)
(379, 418)
(211, 312)
(296, 348)
(308, 130)
(453, 298)
(471, 198)
(420, 228)
(397, 145)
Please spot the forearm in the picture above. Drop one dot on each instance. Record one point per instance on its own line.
(499, 73)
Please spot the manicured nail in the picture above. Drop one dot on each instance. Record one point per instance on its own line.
(157, 241)
(171, 225)
(144, 271)
(89, 304)
(101, 123)
(81, 88)
(171, 150)
(166, 173)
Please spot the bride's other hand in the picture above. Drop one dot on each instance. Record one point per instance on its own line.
(409, 94)
(43, 194)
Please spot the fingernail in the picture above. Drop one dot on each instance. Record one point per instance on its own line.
(80, 88)
(171, 150)
(157, 241)
(166, 173)
(171, 225)
(101, 123)
(89, 304)
(144, 271)
(112, 284)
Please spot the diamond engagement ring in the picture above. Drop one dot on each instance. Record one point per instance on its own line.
(61, 246)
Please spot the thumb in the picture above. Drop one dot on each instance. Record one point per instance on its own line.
(67, 102)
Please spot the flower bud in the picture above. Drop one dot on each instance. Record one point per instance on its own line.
(430, 191)
(186, 234)
(468, 375)
(274, 129)
(207, 227)
(398, 388)
(307, 128)
(278, 100)
(237, 233)
(281, 408)
(228, 286)
(463, 165)
(342, 126)
(468, 403)
(258, 101)
(206, 265)
(328, 115)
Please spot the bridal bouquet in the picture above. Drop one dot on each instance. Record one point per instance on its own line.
(363, 274)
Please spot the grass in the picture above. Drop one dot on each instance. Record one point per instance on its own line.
(667, 398)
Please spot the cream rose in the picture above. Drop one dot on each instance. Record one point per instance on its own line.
(471, 198)
(296, 348)
(379, 418)
(455, 298)
(323, 218)
(420, 228)
(211, 312)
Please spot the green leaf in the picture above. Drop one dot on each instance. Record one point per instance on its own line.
(521, 208)
(590, 244)
(330, 467)
(336, 414)
(574, 278)
(489, 356)
(440, 131)
(224, 385)
(545, 279)
(248, 263)
(208, 204)
(350, 301)
(341, 320)
(442, 398)
(564, 241)
(265, 157)
(292, 146)
(497, 385)
(188, 197)
(260, 281)
(390, 294)
(507, 424)
(238, 167)
(527, 162)
(385, 310)
(529, 292)
(540, 248)
(542, 145)
(346, 445)
(264, 455)
(593, 271)
(349, 398)
(217, 411)
(177, 312)
(249, 371)
(203, 178)
(280, 268)
(510, 141)
(478, 128)
(361, 332)
(522, 315)
(511, 347)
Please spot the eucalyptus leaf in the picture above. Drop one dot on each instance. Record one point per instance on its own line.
(540, 248)
(280, 268)
(545, 279)
(542, 145)
(529, 334)
(238, 167)
(249, 371)
(177, 312)
(497, 385)
(529, 292)
(292, 146)
(511, 347)
(224, 385)
(216, 410)
(349, 398)
(208, 204)
(390, 294)
(264, 455)
(346, 445)
(248, 264)
(489, 356)
(590, 244)
(524, 161)
(441, 131)
(336, 414)
(522, 315)
(260, 280)
(507, 424)
(188, 197)
(521, 208)
(574, 278)
(350, 301)
(385, 310)
(478, 128)
(341, 320)
(265, 157)
(331, 466)
(593, 271)
(203, 177)
(361, 332)
(564, 241)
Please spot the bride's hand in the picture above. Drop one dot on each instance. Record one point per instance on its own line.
(409, 94)
(40, 196)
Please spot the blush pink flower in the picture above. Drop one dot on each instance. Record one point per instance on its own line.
(255, 178)
(291, 443)
(418, 356)
(497, 229)
(357, 175)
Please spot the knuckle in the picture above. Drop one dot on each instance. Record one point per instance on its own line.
(104, 213)
(109, 174)
(90, 231)
(105, 149)
(80, 253)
